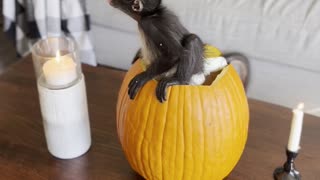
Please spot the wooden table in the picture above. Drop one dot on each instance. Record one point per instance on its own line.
(24, 155)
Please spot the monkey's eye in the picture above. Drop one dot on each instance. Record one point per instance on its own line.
(137, 6)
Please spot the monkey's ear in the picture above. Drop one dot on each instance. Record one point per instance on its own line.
(137, 6)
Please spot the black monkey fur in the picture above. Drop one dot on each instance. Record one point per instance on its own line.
(172, 54)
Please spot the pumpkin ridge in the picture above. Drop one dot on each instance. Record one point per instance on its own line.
(194, 123)
(244, 113)
(237, 96)
(234, 84)
(226, 125)
(204, 135)
(134, 134)
(120, 107)
(138, 147)
(124, 115)
(226, 91)
(230, 108)
(236, 92)
(156, 134)
(177, 139)
(190, 120)
(130, 129)
(184, 136)
(215, 116)
(150, 163)
(143, 144)
(123, 126)
(164, 130)
(126, 139)
(131, 139)
(243, 103)
(215, 132)
(150, 147)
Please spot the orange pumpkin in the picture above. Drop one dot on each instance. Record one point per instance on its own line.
(199, 133)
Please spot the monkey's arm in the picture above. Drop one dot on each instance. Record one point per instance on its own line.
(156, 68)
(167, 47)
(191, 62)
(188, 48)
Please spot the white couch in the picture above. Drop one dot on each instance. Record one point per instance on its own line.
(281, 38)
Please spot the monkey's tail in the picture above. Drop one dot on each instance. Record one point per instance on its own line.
(242, 66)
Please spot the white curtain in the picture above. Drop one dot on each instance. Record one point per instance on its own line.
(26, 21)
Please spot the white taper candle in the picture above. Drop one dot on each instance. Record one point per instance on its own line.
(296, 128)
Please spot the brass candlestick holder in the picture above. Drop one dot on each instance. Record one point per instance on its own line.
(288, 171)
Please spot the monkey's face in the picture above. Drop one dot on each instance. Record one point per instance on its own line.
(136, 8)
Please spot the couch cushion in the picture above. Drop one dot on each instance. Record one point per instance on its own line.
(104, 15)
(281, 31)
(115, 49)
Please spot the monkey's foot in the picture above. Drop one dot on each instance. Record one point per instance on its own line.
(161, 90)
(137, 83)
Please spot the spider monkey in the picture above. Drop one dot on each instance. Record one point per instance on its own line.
(172, 54)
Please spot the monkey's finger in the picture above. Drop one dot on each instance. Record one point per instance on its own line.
(134, 89)
(132, 82)
(164, 94)
(158, 92)
(130, 90)
(132, 86)
(161, 91)
(134, 92)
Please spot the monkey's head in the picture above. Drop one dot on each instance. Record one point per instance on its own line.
(136, 8)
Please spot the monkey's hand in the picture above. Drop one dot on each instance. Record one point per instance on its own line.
(137, 83)
(161, 90)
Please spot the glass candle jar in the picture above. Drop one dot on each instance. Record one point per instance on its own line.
(56, 63)
(62, 95)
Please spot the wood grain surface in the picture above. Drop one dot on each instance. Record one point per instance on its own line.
(24, 155)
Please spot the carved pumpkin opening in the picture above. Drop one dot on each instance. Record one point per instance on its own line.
(210, 52)
(211, 78)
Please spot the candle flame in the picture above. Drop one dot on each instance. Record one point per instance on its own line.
(300, 106)
(58, 56)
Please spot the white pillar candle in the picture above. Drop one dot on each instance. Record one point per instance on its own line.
(296, 129)
(66, 120)
(60, 70)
